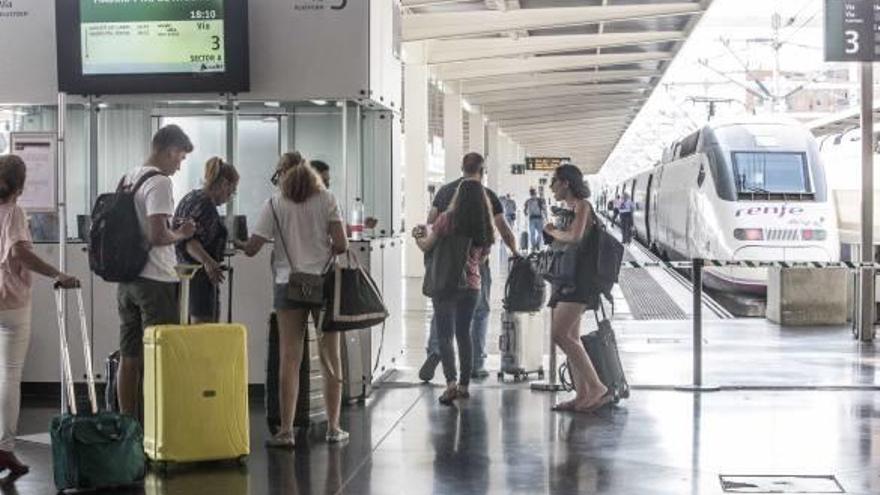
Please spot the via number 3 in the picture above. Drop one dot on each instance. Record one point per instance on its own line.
(852, 41)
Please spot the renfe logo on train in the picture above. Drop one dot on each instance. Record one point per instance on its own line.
(779, 211)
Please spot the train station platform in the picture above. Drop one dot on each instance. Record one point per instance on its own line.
(797, 411)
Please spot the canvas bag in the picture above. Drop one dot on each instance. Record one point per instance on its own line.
(352, 299)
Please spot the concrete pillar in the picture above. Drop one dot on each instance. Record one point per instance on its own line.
(493, 155)
(453, 138)
(477, 131)
(416, 159)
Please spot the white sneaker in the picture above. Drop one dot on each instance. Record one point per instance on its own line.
(282, 440)
(337, 436)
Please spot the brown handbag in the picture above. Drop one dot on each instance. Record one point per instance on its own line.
(306, 288)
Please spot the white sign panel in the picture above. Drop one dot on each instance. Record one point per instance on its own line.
(37, 149)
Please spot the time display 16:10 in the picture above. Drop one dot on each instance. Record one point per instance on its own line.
(203, 14)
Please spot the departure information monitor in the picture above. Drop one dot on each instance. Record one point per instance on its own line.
(852, 30)
(152, 36)
(152, 46)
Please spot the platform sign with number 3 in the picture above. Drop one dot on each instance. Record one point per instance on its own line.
(852, 30)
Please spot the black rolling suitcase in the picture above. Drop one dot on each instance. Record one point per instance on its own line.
(601, 346)
(524, 241)
(310, 408)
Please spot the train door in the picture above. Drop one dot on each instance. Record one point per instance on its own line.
(648, 211)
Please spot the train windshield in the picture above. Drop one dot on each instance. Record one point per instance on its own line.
(771, 172)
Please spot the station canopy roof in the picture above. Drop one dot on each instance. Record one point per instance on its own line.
(560, 77)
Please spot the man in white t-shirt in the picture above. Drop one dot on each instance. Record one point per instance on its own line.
(152, 299)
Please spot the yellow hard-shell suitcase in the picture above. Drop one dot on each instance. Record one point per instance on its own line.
(195, 391)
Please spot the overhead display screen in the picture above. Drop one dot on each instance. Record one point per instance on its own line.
(152, 37)
(152, 46)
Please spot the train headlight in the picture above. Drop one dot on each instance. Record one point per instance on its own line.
(813, 235)
(748, 234)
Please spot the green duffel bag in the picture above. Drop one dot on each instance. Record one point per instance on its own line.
(103, 450)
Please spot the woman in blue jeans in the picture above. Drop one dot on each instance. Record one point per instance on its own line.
(469, 216)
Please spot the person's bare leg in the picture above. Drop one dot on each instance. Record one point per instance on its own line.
(566, 334)
(332, 368)
(291, 325)
(128, 378)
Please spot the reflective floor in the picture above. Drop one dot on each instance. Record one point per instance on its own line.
(505, 440)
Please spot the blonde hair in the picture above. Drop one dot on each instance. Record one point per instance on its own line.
(300, 182)
(288, 161)
(217, 170)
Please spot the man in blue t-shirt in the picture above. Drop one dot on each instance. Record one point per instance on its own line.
(471, 168)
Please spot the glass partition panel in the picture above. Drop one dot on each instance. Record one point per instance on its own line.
(44, 226)
(124, 134)
(258, 151)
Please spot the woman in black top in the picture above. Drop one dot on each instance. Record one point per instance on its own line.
(208, 244)
(568, 302)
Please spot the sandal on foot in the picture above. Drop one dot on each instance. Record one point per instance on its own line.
(603, 401)
(448, 396)
(563, 406)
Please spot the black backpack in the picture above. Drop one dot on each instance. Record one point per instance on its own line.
(118, 248)
(609, 257)
(524, 291)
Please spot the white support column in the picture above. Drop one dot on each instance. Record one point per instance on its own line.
(477, 131)
(493, 155)
(453, 139)
(415, 159)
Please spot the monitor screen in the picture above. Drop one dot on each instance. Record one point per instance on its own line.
(152, 46)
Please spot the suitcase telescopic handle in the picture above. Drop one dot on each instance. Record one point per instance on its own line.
(67, 370)
(185, 273)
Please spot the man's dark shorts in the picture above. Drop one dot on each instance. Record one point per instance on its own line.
(144, 303)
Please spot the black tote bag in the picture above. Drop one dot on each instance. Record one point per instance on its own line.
(445, 266)
(352, 299)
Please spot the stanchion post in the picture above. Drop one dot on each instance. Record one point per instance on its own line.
(866, 275)
(697, 272)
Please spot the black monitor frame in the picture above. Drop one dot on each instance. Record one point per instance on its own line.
(236, 78)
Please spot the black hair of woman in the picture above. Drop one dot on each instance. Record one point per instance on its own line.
(471, 215)
(573, 176)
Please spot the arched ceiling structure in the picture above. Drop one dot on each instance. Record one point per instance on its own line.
(560, 77)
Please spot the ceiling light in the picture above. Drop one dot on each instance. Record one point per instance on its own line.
(319, 102)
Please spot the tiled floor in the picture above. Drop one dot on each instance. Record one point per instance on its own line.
(505, 439)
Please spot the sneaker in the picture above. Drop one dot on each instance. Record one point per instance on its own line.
(480, 373)
(426, 372)
(463, 392)
(282, 440)
(337, 436)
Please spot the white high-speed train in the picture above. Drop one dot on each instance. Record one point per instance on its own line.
(746, 190)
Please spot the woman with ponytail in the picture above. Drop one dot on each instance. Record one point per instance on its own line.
(207, 246)
(17, 261)
(575, 226)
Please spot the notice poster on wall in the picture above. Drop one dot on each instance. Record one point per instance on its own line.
(37, 149)
(152, 37)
